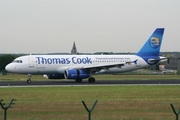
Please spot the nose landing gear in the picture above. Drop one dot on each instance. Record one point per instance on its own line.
(29, 78)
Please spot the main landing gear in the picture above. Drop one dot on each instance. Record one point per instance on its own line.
(29, 78)
(90, 80)
(78, 80)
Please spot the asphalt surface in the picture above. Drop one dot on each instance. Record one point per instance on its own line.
(86, 83)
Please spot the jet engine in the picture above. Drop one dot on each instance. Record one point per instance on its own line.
(76, 74)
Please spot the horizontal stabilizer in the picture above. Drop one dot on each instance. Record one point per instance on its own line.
(162, 59)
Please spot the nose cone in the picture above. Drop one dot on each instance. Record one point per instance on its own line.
(9, 68)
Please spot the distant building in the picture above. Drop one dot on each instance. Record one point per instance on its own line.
(173, 62)
(74, 50)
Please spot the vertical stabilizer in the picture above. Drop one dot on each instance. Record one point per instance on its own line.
(153, 44)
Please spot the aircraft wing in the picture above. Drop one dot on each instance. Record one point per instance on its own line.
(98, 67)
(104, 66)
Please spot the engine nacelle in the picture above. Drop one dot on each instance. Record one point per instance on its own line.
(76, 74)
(55, 76)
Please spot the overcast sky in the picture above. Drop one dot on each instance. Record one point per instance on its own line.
(48, 26)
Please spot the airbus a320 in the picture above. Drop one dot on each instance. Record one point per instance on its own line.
(79, 67)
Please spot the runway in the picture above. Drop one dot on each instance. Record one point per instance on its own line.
(86, 83)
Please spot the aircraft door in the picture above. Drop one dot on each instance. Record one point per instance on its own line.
(31, 62)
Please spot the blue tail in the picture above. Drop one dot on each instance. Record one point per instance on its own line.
(153, 44)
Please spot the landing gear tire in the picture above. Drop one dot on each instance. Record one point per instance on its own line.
(29, 81)
(78, 80)
(91, 80)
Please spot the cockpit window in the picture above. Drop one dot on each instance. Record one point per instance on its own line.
(17, 61)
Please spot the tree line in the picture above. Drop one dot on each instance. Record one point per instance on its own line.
(6, 59)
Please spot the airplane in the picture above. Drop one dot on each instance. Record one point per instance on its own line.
(79, 67)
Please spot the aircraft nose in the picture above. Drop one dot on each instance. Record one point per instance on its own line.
(9, 68)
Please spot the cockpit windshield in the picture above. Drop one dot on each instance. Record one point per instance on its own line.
(17, 61)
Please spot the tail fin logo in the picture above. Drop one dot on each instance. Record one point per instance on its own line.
(154, 42)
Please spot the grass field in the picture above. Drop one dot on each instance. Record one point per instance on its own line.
(114, 102)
